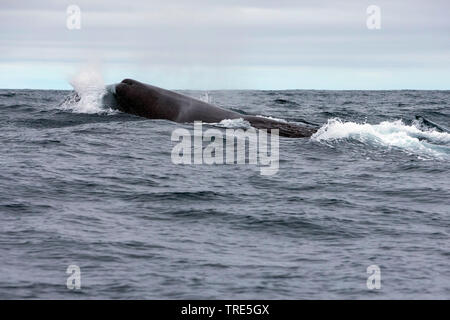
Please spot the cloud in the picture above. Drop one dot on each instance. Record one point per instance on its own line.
(203, 37)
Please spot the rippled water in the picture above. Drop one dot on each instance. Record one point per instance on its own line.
(98, 189)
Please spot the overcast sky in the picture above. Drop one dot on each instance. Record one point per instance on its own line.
(228, 44)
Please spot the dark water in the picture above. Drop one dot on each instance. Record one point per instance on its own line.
(99, 190)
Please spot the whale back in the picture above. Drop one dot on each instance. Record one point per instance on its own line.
(157, 103)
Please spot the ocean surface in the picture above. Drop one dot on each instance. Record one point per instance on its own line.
(83, 185)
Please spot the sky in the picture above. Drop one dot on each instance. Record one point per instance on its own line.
(228, 44)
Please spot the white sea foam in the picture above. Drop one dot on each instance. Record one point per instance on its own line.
(390, 134)
(233, 123)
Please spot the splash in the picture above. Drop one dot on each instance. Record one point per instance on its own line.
(233, 124)
(389, 134)
(89, 91)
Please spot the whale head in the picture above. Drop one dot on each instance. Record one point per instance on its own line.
(145, 100)
(132, 97)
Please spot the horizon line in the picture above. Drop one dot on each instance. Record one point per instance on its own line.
(245, 89)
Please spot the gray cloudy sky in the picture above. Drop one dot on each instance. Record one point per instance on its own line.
(229, 44)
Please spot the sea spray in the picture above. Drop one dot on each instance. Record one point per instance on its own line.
(409, 138)
(89, 90)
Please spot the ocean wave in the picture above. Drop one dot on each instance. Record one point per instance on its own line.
(390, 134)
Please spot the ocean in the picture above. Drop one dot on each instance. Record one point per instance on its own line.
(82, 185)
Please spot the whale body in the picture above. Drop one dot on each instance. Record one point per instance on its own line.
(152, 102)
